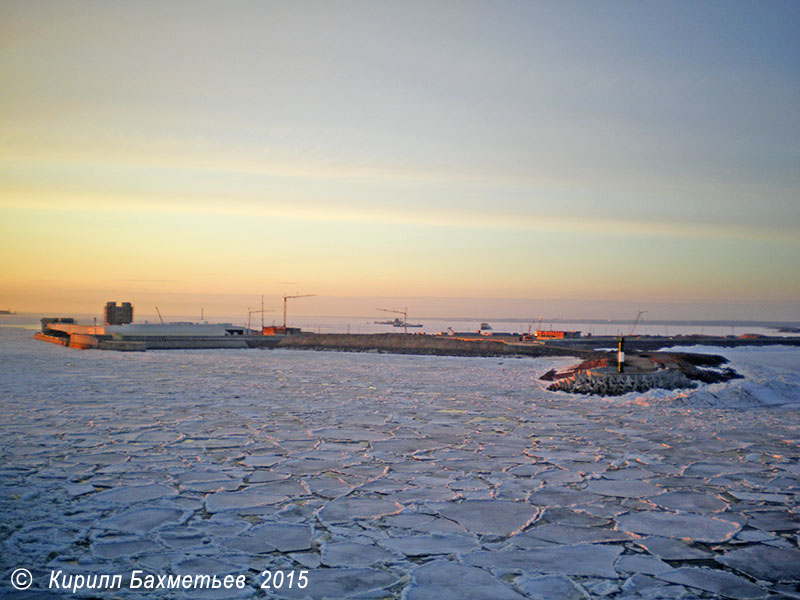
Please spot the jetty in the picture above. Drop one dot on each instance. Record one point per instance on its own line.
(140, 337)
(65, 331)
(399, 343)
(645, 368)
(646, 364)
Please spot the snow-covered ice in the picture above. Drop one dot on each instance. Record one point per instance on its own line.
(397, 476)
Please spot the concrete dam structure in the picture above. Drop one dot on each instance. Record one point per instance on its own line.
(139, 337)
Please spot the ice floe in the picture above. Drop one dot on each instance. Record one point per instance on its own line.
(398, 476)
(724, 584)
(590, 560)
(491, 517)
(765, 562)
(452, 581)
(690, 526)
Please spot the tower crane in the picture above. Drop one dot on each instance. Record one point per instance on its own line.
(255, 311)
(403, 312)
(285, 298)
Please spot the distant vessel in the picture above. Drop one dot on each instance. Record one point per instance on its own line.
(398, 323)
(7, 312)
(486, 327)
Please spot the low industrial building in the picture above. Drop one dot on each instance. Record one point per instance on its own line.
(556, 334)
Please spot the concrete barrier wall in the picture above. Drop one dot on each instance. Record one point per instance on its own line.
(82, 341)
(61, 341)
(190, 342)
(122, 346)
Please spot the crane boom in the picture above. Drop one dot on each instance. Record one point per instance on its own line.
(403, 312)
(636, 322)
(251, 312)
(399, 312)
(285, 298)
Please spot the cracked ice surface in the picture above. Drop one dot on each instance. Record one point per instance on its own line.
(397, 476)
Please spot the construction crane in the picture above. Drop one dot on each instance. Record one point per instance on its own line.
(255, 311)
(403, 312)
(159, 316)
(636, 322)
(251, 312)
(285, 298)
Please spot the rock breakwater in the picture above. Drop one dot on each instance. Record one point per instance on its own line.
(660, 370)
(616, 384)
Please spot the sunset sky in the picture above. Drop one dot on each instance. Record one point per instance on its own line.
(569, 155)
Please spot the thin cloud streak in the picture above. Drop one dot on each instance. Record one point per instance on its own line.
(432, 218)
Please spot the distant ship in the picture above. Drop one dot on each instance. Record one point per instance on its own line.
(402, 324)
(398, 323)
(486, 327)
(7, 312)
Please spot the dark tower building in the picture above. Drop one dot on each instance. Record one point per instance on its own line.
(118, 315)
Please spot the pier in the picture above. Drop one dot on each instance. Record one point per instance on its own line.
(138, 338)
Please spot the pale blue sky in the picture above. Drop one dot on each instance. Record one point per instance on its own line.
(611, 148)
